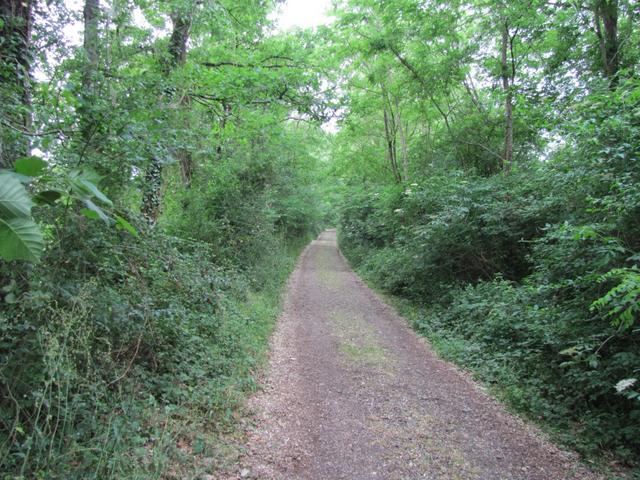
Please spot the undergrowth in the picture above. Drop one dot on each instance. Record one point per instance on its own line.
(528, 280)
(121, 364)
(527, 388)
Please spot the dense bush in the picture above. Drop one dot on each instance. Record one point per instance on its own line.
(109, 352)
(448, 229)
(530, 280)
(243, 206)
(126, 350)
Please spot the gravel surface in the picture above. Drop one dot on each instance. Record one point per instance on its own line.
(353, 393)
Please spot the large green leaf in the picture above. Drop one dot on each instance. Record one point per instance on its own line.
(85, 185)
(14, 199)
(48, 197)
(95, 191)
(86, 174)
(121, 223)
(30, 166)
(25, 180)
(92, 210)
(20, 239)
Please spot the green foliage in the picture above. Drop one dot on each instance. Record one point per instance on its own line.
(30, 166)
(106, 363)
(445, 230)
(126, 352)
(14, 201)
(195, 134)
(243, 206)
(623, 300)
(529, 280)
(20, 237)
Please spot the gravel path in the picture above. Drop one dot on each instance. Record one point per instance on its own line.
(353, 393)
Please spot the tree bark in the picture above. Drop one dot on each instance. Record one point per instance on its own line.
(226, 114)
(15, 77)
(606, 16)
(390, 139)
(87, 122)
(152, 196)
(178, 41)
(178, 55)
(402, 133)
(90, 13)
(390, 133)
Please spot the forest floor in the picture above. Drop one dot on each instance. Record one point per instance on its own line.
(353, 393)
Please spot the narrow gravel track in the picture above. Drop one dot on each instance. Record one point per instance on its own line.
(353, 393)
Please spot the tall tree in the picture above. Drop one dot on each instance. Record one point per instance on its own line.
(91, 13)
(178, 54)
(391, 122)
(605, 13)
(507, 73)
(152, 195)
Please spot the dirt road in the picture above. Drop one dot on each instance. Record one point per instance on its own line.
(353, 393)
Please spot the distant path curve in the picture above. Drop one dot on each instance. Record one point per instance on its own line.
(353, 393)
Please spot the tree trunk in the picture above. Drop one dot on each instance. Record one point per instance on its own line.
(402, 133)
(91, 11)
(152, 196)
(15, 78)
(507, 83)
(178, 41)
(89, 70)
(606, 16)
(178, 51)
(390, 138)
(226, 114)
(183, 155)
(390, 132)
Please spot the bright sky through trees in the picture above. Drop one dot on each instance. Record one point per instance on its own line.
(292, 14)
(303, 14)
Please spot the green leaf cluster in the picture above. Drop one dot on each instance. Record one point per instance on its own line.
(20, 236)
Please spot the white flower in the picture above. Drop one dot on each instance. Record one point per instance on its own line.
(414, 184)
(398, 211)
(407, 191)
(622, 385)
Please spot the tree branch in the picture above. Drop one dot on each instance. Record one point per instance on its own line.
(36, 134)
